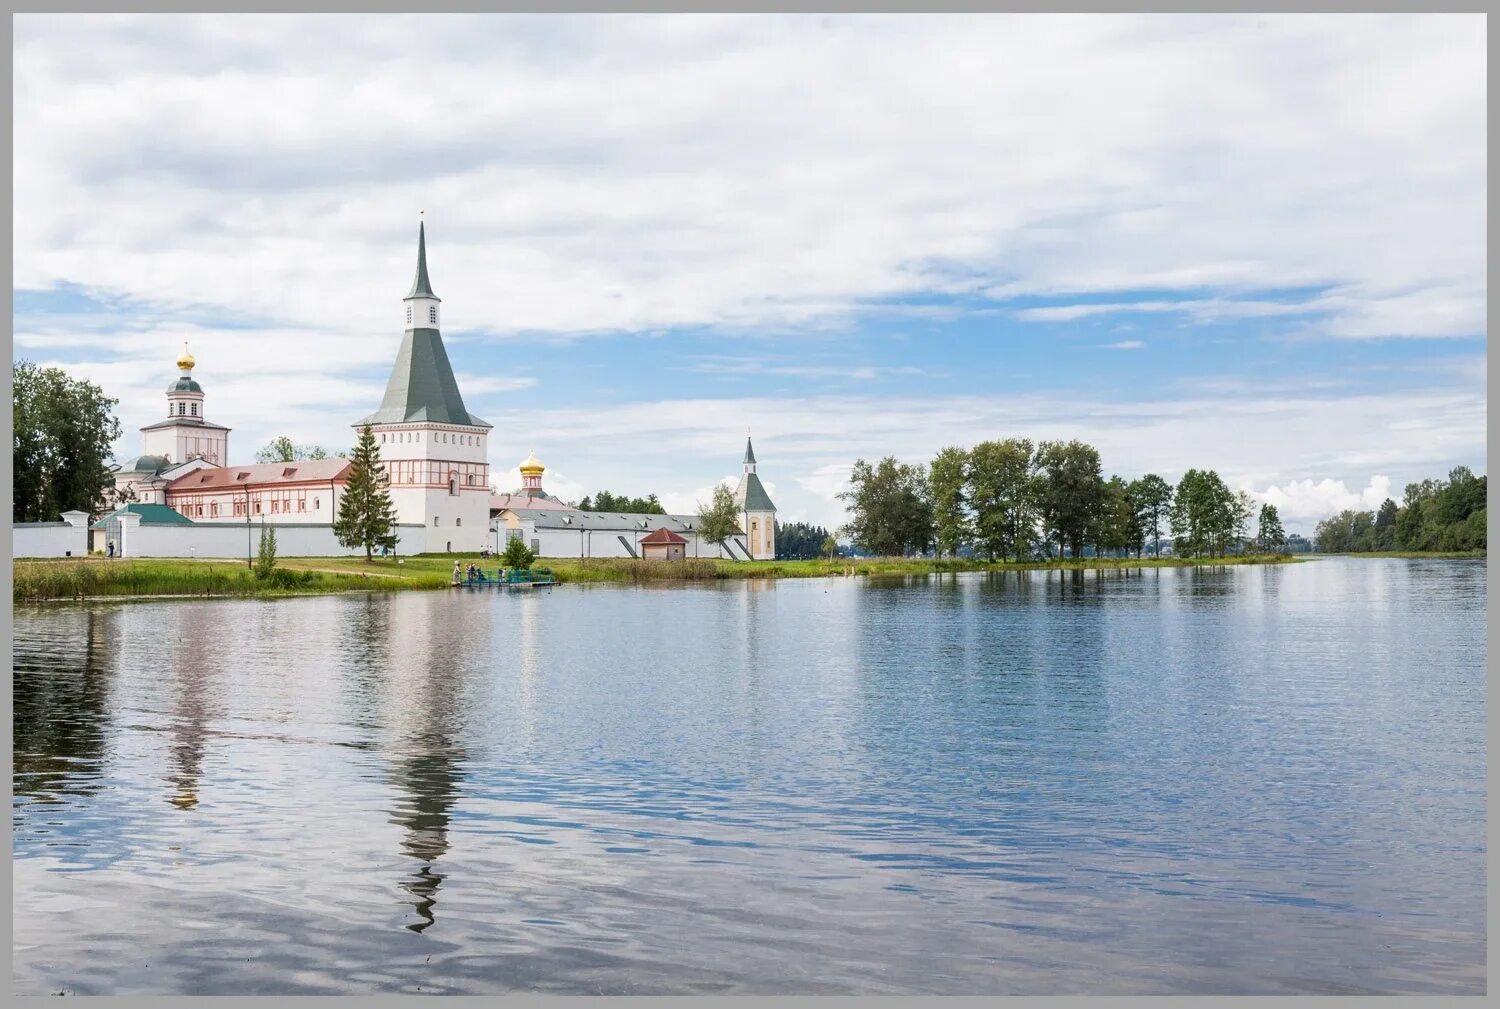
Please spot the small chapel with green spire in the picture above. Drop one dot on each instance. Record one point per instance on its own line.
(757, 513)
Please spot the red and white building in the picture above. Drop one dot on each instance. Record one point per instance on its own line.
(281, 493)
(434, 452)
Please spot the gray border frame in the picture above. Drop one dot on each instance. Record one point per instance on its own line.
(829, 6)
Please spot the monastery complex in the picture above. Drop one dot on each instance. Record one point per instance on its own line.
(186, 498)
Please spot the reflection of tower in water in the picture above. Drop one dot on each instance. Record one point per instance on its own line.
(426, 772)
(190, 712)
(529, 652)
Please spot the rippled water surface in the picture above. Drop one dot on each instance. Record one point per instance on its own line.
(1259, 780)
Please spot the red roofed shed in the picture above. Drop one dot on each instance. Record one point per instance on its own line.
(663, 545)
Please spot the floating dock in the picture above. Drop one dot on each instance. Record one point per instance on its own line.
(502, 578)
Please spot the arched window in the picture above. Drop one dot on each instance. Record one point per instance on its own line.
(436, 521)
(458, 522)
(453, 484)
(315, 504)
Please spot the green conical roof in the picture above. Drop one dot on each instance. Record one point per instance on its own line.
(422, 386)
(749, 452)
(751, 496)
(421, 287)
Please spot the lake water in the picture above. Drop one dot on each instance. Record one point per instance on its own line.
(1234, 780)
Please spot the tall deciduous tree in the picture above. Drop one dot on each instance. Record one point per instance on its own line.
(1003, 493)
(1117, 526)
(1271, 536)
(283, 449)
(1203, 514)
(1241, 511)
(890, 510)
(950, 514)
(1072, 492)
(719, 519)
(63, 431)
(366, 518)
(1152, 497)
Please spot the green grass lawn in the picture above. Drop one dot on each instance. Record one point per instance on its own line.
(82, 578)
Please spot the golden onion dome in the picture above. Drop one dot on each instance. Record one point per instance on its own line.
(185, 361)
(532, 464)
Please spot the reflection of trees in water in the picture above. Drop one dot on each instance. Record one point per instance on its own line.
(61, 672)
(365, 651)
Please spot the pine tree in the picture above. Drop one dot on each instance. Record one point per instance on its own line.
(367, 518)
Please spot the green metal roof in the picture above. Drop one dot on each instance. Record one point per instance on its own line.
(148, 464)
(151, 515)
(185, 385)
(749, 452)
(421, 287)
(751, 496)
(422, 386)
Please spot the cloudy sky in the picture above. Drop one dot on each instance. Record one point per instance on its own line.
(1248, 243)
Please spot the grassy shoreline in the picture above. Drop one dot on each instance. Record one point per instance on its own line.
(93, 578)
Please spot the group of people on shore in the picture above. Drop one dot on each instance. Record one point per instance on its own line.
(472, 573)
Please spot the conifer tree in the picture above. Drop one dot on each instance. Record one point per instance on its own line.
(366, 518)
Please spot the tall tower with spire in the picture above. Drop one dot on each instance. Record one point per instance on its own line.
(757, 513)
(435, 452)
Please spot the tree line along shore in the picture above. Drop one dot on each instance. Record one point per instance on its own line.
(1001, 504)
(91, 578)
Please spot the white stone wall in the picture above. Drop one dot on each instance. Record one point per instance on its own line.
(461, 521)
(229, 540)
(49, 539)
(604, 543)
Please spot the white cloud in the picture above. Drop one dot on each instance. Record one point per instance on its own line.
(1125, 345)
(805, 445)
(762, 175)
(599, 173)
(1307, 502)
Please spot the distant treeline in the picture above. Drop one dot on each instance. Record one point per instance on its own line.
(1435, 515)
(799, 541)
(604, 501)
(1012, 499)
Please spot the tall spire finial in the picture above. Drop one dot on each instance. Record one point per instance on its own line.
(749, 452)
(422, 287)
